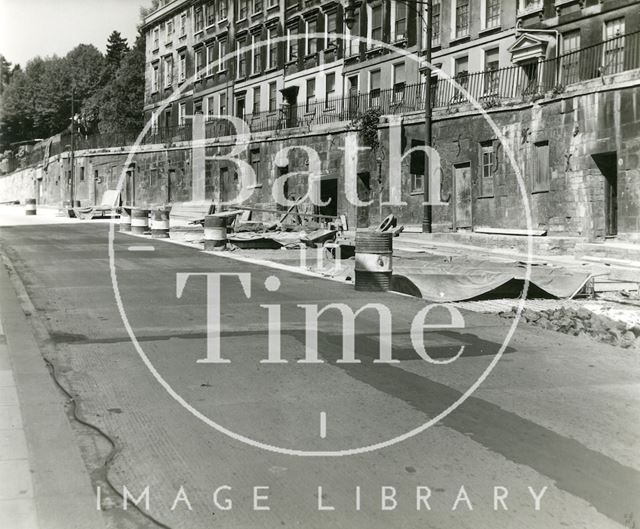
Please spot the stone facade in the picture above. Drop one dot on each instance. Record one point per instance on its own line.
(579, 130)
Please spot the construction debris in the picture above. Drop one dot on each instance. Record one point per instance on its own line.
(253, 241)
(391, 224)
(318, 238)
(460, 278)
(583, 322)
(110, 205)
(185, 214)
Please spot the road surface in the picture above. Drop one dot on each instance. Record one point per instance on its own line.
(548, 440)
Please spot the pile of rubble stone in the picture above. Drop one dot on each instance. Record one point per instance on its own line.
(582, 322)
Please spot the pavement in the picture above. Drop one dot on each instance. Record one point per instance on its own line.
(45, 483)
(14, 215)
(17, 506)
(556, 411)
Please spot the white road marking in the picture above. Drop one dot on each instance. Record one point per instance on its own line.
(142, 249)
(323, 425)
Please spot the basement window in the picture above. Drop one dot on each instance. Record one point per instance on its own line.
(487, 161)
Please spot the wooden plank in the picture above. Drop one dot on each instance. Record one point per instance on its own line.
(614, 286)
(185, 212)
(611, 261)
(276, 212)
(509, 231)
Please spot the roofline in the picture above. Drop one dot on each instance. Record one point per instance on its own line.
(163, 12)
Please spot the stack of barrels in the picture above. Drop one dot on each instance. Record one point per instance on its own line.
(374, 252)
(215, 232)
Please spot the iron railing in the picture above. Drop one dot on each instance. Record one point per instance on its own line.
(490, 88)
(609, 57)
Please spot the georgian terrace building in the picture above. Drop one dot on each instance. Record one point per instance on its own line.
(549, 118)
(274, 62)
(302, 72)
(186, 38)
(559, 78)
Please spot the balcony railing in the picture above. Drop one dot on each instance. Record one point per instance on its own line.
(612, 56)
(490, 88)
(494, 87)
(336, 109)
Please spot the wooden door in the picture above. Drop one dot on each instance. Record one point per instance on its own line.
(329, 192)
(606, 163)
(463, 196)
(130, 189)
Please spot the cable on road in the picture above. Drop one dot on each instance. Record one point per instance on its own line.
(29, 309)
(115, 448)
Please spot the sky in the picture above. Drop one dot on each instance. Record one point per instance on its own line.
(46, 27)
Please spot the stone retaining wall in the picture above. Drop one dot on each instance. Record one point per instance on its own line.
(576, 127)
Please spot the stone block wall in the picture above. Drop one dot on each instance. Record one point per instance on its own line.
(578, 130)
(578, 127)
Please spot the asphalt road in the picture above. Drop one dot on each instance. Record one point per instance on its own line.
(556, 412)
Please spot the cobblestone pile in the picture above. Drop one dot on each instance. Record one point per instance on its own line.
(579, 322)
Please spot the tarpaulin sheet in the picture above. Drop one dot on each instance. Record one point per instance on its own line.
(463, 278)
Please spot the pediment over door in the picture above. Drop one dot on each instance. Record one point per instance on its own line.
(527, 48)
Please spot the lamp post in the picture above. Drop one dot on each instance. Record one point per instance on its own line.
(380, 160)
(427, 214)
(351, 10)
(72, 172)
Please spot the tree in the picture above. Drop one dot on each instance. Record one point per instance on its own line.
(37, 102)
(84, 65)
(108, 90)
(5, 73)
(28, 108)
(48, 86)
(117, 47)
(15, 123)
(118, 105)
